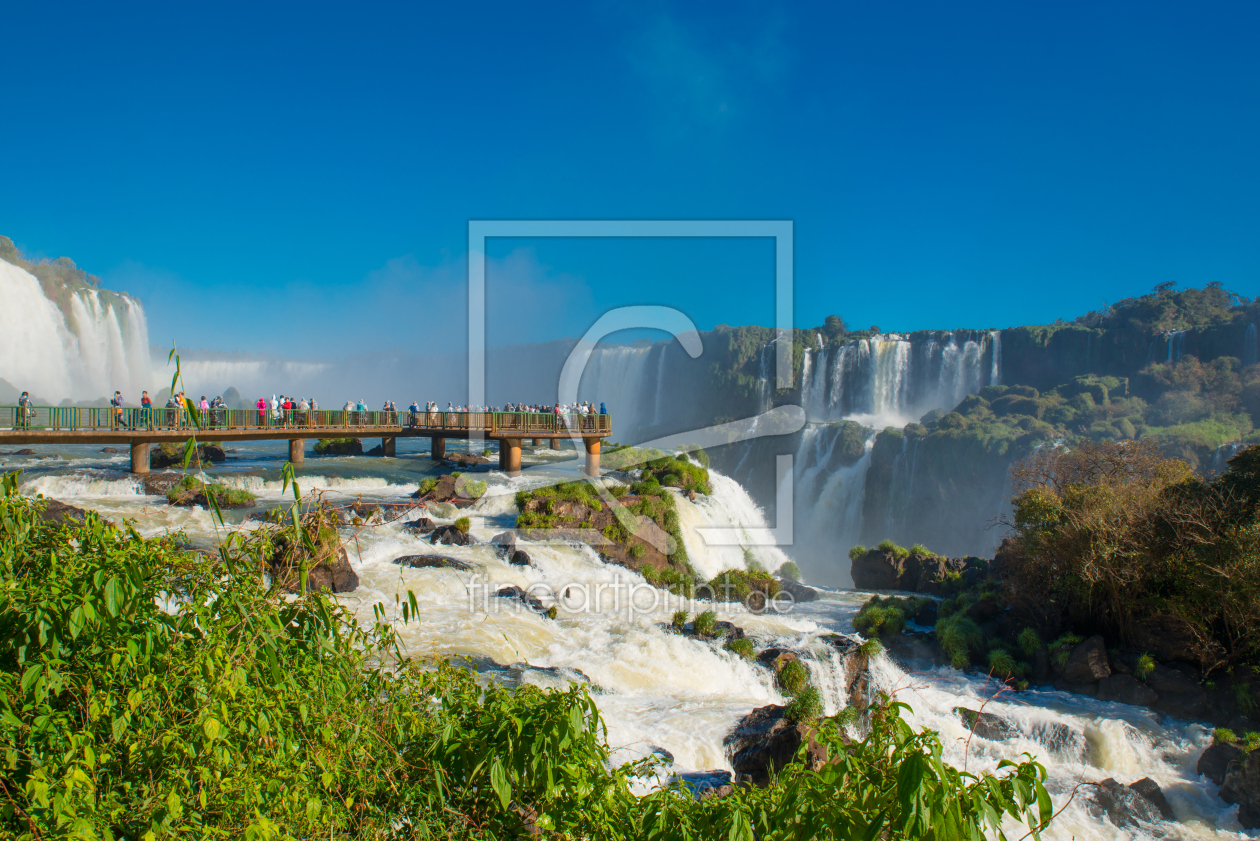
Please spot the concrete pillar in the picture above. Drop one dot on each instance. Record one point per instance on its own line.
(297, 450)
(537, 442)
(389, 447)
(439, 448)
(140, 458)
(510, 456)
(555, 443)
(592, 456)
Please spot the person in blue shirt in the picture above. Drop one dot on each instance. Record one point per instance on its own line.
(603, 410)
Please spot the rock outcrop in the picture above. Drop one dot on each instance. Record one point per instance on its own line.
(1242, 786)
(56, 511)
(1128, 806)
(1088, 662)
(881, 569)
(451, 536)
(334, 574)
(434, 562)
(1214, 763)
(764, 741)
(799, 592)
(172, 455)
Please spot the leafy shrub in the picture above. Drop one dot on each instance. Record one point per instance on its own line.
(636, 551)
(1244, 697)
(737, 585)
(1223, 735)
(790, 571)
(878, 617)
(680, 618)
(806, 706)
(856, 552)
(961, 639)
(920, 549)
(793, 677)
(1001, 663)
(872, 647)
(1145, 665)
(706, 624)
(1061, 649)
(1029, 643)
(463, 524)
(470, 489)
(742, 647)
(427, 485)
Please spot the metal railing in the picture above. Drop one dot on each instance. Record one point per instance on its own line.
(108, 419)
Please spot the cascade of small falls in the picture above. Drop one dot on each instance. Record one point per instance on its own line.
(82, 346)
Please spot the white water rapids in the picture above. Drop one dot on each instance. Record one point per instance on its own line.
(658, 689)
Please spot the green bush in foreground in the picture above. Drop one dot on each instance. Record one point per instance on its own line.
(793, 677)
(151, 693)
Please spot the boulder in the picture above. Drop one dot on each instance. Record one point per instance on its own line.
(526, 599)
(434, 561)
(1214, 763)
(764, 741)
(798, 591)
(705, 784)
(24, 452)
(1126, 689)
(451, 536)
(776, 658)
(57, 512)
(157, 484)
(926, 614)
(172, 455)
(465, 459)
(986, 725)
(110, 450)
(339, 447)
(882, 570)
(335, 575)
(1180, 694)
(1150, 789)
(1242, 786)
(378, 450)
(985, 610)
(422, 524)
(1124, 805)
(1061, 739)
(521, 558)
(505, 542)
(1088, 662)
(944, 576)
(857, 669)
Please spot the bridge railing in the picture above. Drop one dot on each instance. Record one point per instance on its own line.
(106, 418)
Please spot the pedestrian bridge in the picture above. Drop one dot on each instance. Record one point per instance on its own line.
(139, 428)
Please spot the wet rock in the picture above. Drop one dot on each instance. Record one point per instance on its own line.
(57, 512)
(1214, 763)
(422, 524)
(1242, 786)
(664, 754)
(521, 558)
(451, 536)
(1126, 689)
(705, 784)
(1088, 662)
(335, 575)
(1060, 739)
(157, 484)
(799, 592)
(926, 614)
(882, 570)
(1180, 694)
(857, 669)
(764, 741)
(944, 576)
(1123, 805)
(339, 447)
(505, 542)
(985, 610)
(1090, 689)
(776, 658)
(1150, 789)
(110, 450)
(23, 452)
(378, 450)
(435, 562)
(526, 599)
(986, 725)
(172, 455)
(465, 459)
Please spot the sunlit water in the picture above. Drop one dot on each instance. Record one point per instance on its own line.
(655, 688)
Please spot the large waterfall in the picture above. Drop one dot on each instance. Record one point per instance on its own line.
(83, 345)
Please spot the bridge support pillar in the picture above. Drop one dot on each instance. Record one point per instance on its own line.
(389, 447)
(510, 456)
(537, 442)
(140, 458)
(555, 443)
(592, 456)
(297, 450)
(439, 448)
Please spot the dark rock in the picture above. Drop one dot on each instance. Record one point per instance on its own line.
(335, 575)
(523, 597)
(986, 725)
(1214, 763)
(664, 754)
(1180, 695)
(882, 570)
(1060, 739)
(727, 631)
(777, 658)
(451, 536)
(521, 558)
(1126, 689)
(1124, 806)
(764, 741)
(1165, 641)
(110, 450)
(943, 576)
(24, 452)
(1090, 689)
(423, 525)
(985, 610)
(212, 452)
(1242, 786)
(172, 455)
(857, 669)
(505, 542)
(1150, 789)
(57, 512)
(926, 614)
(705, 784)
(465, 459)
(339, 447)
(1088, 662)
(435, 561)
(799, 592)
(157, 484)
(378, 450)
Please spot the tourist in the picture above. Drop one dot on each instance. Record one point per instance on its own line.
(146, 409)
(302, 408)
(603, 410)
(414, 408)
(25, 412)
(117, 402)
(262, 411)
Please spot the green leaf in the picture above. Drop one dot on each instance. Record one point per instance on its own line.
(498, 781)
(211, 728)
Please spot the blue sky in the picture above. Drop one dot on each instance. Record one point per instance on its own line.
(298, 179)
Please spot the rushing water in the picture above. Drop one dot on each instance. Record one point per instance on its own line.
(656, 688)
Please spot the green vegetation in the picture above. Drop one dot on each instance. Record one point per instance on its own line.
(793, 677)
(1223, 735)
(961, 639)
(637, 551)
(806, 706)
(193, 491)
(673, 472)
(463, 524)
(470, 488)
(235, 711)
(1121, 539)
(1029, 643)
(790, 571)
(856, 552)
(1003, 665)
(872, 647)
(899, 552)
(426, 485)
(1145, 665)
(742, 647)
(706, 624)
(680, 620)
(920, 549)
(877, 618)
(737, 585)
(338, 446)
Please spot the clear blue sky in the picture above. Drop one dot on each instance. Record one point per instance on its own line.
(297, 179)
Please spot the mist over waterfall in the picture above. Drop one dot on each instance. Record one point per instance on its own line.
(83, 345)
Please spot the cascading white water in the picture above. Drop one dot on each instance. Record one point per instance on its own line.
(97, 345)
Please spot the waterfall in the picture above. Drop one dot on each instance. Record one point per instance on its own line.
(82, 346)
(1249, 346)
(1176, 345)
(995, 368)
